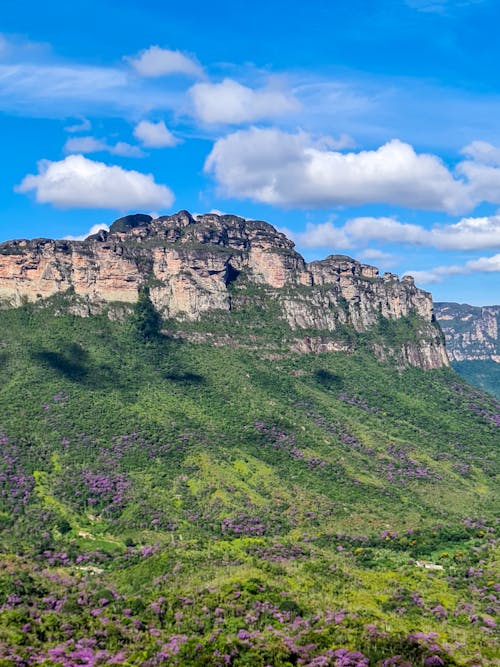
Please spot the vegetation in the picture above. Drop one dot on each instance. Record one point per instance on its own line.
(165, 502)
(484, 374)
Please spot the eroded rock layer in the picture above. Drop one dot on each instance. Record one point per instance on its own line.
(196, 265)
(472, 332)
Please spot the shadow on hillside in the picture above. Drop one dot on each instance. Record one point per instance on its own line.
(74, 363)
(185, 378)
(328, 380)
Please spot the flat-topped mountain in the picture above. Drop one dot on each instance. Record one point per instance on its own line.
(193, 266)
(195, 489)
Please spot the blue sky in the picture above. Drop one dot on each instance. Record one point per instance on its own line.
(369, 128)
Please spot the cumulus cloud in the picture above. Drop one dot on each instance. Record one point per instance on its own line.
(93, 145)
(466, 234)
(376, 254)
(77, 182)
(482, 151)
(155, 61)
(275, 167)
(483, 180)
(439, 273)
(154, 135)
(322, 235)
(385, 229)
(93, 230)
(230, 102)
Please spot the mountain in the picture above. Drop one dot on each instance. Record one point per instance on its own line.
(473, 342)
(236, 485)
(224, 264)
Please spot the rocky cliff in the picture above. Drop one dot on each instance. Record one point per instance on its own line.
(195, 266)
(472, 333)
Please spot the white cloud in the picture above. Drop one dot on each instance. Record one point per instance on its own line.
(83, 125)
(61, 80)
(466, 234)
(215, 211)
(322, 235)
(125, 150)
(60, 90)
(154, 135)
(84, 145)
(93, 230)
(93, 145)
(229, 102)
(385, 229)
(485, 264)
(482, 151)
(376, 254)
(483, 179)
(337, 144)
(275, 167)
(439, 273)
(77, 182)
(156, 61)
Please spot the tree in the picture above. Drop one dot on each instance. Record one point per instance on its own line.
(147, 320)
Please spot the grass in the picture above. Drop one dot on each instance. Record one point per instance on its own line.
(172, 498)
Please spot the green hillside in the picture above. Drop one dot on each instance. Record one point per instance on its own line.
(177, 503)
(483, 373)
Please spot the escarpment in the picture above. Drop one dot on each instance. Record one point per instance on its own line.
(193, 266)
(472, 333)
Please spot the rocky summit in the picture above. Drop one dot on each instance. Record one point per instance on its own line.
(192, 266)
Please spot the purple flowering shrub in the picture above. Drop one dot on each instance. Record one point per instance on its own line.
(98, 491)
(68, 619)
(279, 441)
(16, 483)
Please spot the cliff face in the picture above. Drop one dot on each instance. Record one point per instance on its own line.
(197, 265)
(472, 333)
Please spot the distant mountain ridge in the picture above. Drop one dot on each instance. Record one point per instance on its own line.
(194, 266)
(473, 342)
(472, 332)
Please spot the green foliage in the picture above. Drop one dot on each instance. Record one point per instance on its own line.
(146, 320)
(484, 374)
(287, 498)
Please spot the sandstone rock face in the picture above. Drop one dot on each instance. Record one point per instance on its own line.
(472, 333)
(196, 265)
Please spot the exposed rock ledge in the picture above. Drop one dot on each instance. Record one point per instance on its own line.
(196, 265)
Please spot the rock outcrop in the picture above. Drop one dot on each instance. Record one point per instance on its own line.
(472, 332)
(197, 265)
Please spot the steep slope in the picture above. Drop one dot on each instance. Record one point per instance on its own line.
(168, 501)
(473, 342)
(220, 264)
